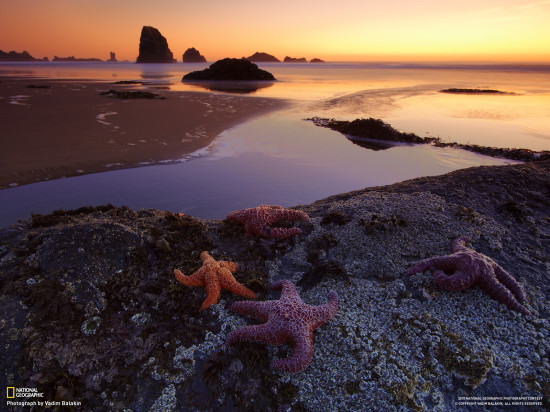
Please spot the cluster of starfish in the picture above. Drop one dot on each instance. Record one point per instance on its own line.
(258, 221)
(288, 320)
(468, 267)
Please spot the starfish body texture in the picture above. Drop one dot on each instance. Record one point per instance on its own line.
(468, 267)
(287, 320)
(214, 275)
(258, 220)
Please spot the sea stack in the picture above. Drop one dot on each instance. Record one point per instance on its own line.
(230, 69)
(153, 47)
(192, 55)
(112, 57)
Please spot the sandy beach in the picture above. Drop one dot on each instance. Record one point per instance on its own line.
(55, 129)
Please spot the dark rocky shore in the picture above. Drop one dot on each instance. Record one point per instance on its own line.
(91, 311)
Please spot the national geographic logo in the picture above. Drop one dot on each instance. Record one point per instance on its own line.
(13, 392)
(26, 393)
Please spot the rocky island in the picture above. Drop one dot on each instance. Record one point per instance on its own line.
(230, 70)
(472, 91)
(192, 55)
(288, 59)
(261, 57)
(153, 47)
(14, 56)
(74, 59)
(92, 311)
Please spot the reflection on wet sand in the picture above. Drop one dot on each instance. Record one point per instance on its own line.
(241, 87)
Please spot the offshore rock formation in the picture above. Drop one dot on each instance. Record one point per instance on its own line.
(112, 57)
(261, 57)
(315, 60)
(74, 59)
(230, 69)
(473, 91)
(14, 56)
(153, 47)
(192, 55)
(369, 132)
(295, 60)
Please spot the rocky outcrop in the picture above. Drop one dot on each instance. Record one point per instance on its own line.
(473, 91)
(369, 132)
(112, 57)
(315, 60)
(295, 60)
(192, 55)
(153, 47)
(14, 56)
(230, 69)
(261, 57)
(91, 309)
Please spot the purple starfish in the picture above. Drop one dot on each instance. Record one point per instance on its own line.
(287, 320)
(469, 267)
(258, 221)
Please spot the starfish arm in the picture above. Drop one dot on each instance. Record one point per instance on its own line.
(499, 292)
(289, 214)
(507, 280)
(213, 288)
(301, 354)
(256, 333)
(228, 282)
(258, 310)
(287, 288)
(196, 279)
(446, 263)
(322, 314)
(458, 281)
(251, 228)
(231, 266)
(283, 233)
(236, 216)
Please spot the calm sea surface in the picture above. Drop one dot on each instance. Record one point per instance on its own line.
(280, 158)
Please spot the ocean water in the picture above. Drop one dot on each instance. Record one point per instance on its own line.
(282, 159)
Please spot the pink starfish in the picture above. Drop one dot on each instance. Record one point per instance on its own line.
(287, 320)
(469, 267)
(258, 220)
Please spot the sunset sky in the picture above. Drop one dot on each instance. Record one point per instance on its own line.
(473, 30)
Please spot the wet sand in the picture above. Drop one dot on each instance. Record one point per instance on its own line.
(65, 128)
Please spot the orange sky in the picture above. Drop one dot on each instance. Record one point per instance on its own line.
(487, 30)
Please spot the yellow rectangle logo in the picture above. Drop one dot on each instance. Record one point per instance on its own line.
(10, 389)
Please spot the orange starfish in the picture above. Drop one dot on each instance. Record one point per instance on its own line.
(214, 275)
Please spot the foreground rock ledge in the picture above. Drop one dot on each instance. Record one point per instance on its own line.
(91, 311)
